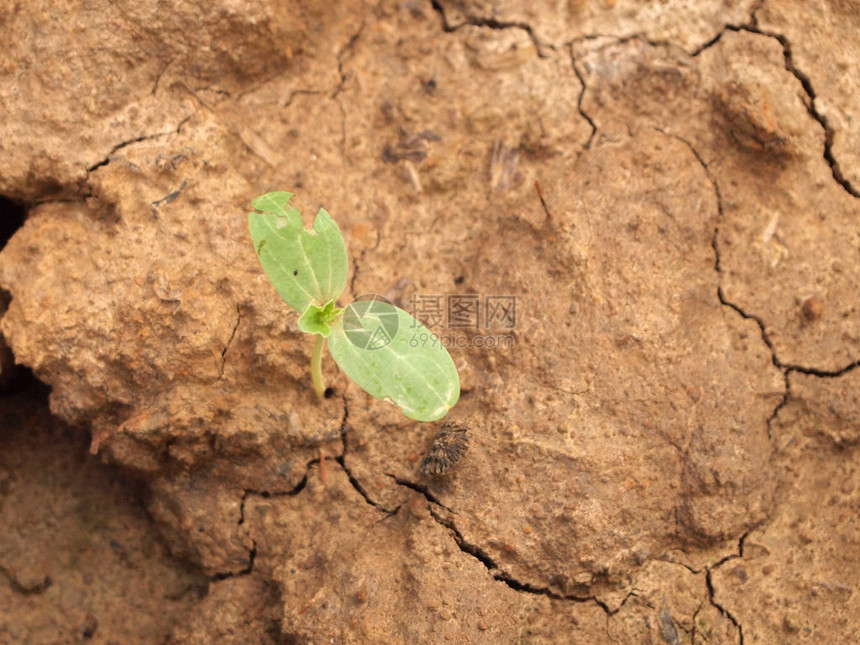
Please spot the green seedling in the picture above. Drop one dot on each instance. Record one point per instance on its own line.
(382, 348)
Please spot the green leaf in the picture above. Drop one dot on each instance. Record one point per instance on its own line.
(304, 266)
(391, 355)
(317, 320)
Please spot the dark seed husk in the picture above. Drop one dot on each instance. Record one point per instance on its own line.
(447, 449)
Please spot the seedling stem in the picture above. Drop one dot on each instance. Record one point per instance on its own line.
(316, 366)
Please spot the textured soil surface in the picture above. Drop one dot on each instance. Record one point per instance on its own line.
(662, 449)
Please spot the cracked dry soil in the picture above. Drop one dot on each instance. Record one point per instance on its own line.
(665, 452)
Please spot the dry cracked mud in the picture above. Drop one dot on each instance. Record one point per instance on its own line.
(663, 445)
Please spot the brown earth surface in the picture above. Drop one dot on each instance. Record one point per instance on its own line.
(664, 449)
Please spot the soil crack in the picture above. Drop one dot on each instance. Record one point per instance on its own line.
(266, 494)
(252, 556)
(419, 489)
(297, 93)
(344, 77)
(491, 23)
(285, 469)
(229, 342)
(125, 144)
(805, 81)
(489, 563)
(350, 45)
(811, 371)
(710, 585)
(158, 77)
(353, 480)
(725, 612)
(708, 571)
(502, 576)
(581, 98)
(785, 369)
(361, 490)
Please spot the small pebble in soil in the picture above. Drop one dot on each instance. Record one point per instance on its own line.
(447, 449)
(812, 308)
